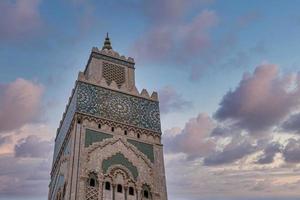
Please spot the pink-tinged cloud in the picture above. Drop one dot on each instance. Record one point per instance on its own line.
(167, 11)
(261, 100)
(20, 103)
(195, 35)
(19, 18)
(194, 139)
(170, 100)
(179, 41)
(248, 18)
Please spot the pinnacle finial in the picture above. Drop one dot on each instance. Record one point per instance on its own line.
(107, 44)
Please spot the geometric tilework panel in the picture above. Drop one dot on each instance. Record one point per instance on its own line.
(119, 107)
(146, 149)
(94, 136)
(120, 159)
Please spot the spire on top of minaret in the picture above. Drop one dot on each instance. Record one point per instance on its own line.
(107, 44)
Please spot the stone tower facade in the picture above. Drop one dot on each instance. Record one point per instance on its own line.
(108, 144)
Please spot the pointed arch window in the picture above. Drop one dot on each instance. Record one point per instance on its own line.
(107, 185)
(131, 191)
(119, 188)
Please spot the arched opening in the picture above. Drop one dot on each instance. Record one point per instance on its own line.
(107, 185)
(131, 191)
(146, 194)
(112, 129)
(119, 188)
(92, 182)
(107, 190)
(92, 186)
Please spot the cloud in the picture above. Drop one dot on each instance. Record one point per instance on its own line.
(292, 124)
(33, 147)
(171, 101)
(19, 18)
(219, 182)
(248, 18)
(235, 150)
(193, 140)
(168, 11)
(247, 121)
(18, 176)
(25, 141)
(269, 153)
(26, 161)
(20, 103)
(179, 41)
(261, 100)
(291, 152)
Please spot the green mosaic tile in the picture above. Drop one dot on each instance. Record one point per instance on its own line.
(92, 136)
(146, 149)
(119, 159)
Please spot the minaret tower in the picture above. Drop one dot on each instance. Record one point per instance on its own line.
(108, 144)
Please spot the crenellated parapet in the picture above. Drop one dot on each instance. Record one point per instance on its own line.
(113, 86)
(114, 54)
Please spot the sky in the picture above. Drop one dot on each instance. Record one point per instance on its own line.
(227, 73)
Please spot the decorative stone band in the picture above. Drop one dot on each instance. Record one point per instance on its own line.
(115, 124)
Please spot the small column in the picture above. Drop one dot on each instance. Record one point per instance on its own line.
(113, 190)
(138, 193)
(125, 191)
(101, 182)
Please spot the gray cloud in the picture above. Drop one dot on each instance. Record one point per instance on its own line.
(170, 100)
(261, 100)
(291, 152)
(292, 124)
(33, 147)
(16, 176)
(235, 150)
(269, 153)
(4, 139)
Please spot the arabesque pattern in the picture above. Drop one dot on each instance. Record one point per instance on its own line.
(117, 106)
